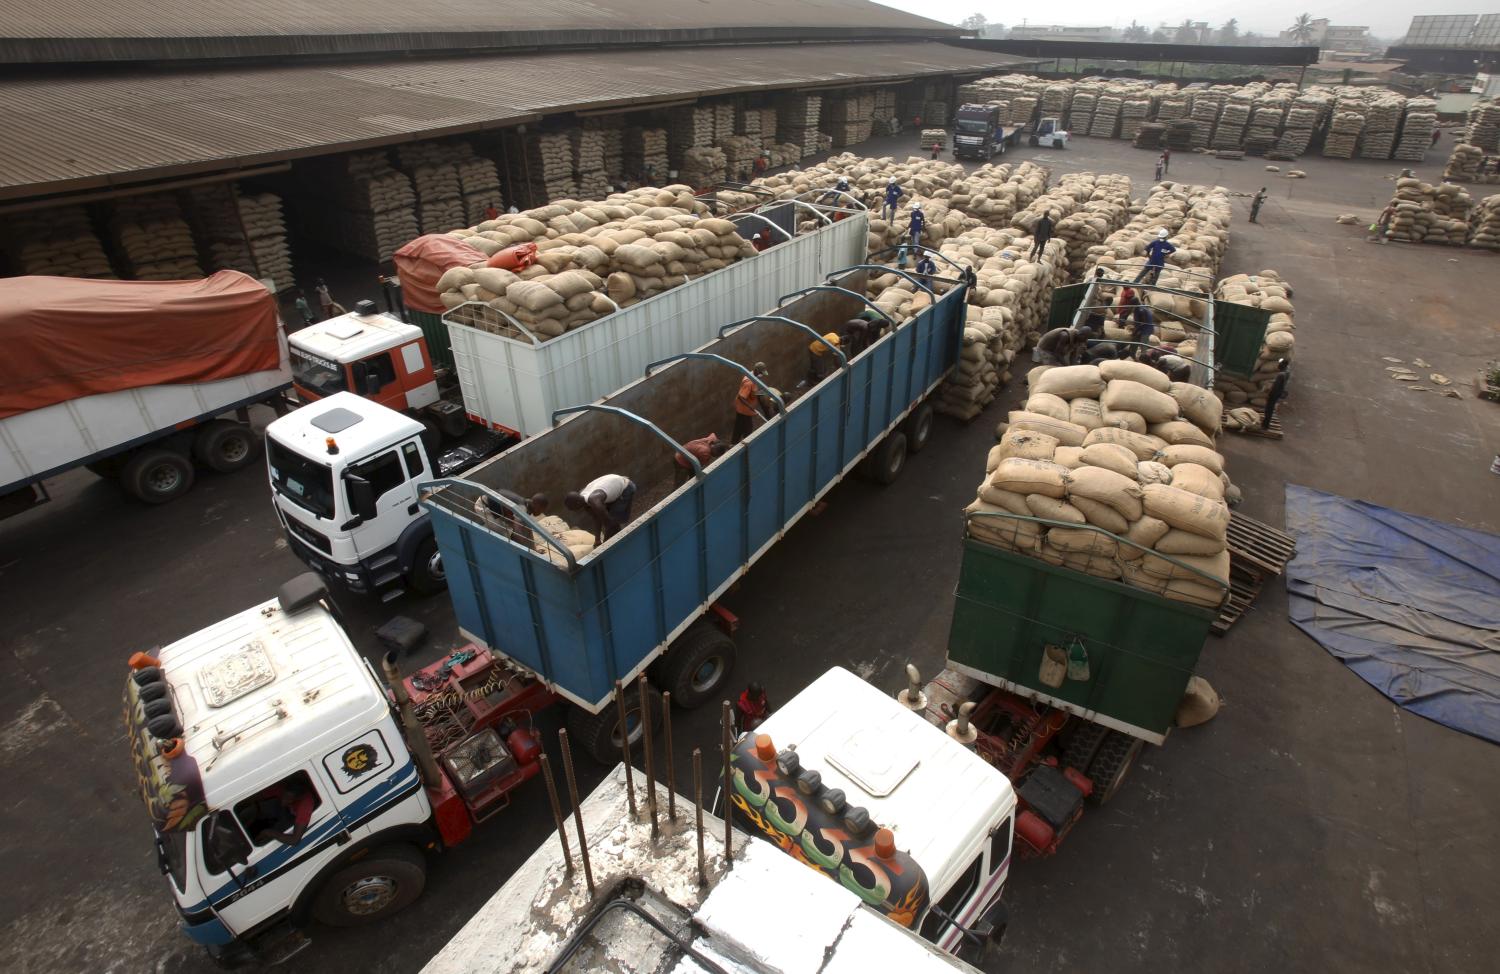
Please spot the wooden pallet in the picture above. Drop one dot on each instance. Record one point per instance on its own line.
(1258, 546)
(1257, 551)
(1244, 588)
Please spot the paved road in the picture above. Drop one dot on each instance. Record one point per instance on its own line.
(1311, 825)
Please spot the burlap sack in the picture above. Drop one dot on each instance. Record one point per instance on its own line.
(1112, 369)
(1068, 434)
(1053, 509)
(1070, 382)
(1145, 447)
(1101, 515)
(1198, 479)
(1107, 487)
(1031, 477)
(1111, 456)
(1185, 510)
(1130, 396)
(1189, 453)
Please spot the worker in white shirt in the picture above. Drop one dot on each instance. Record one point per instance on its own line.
(607, 499)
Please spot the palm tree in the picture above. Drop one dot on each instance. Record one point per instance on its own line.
(1230, 32)
(1186, 34)
(1135, 33)
(1302, 29)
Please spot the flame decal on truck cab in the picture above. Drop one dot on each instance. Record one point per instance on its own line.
(813, 825)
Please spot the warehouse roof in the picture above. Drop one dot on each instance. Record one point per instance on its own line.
(87, 30)
(72, 132)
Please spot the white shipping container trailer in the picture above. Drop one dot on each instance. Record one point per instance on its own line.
(148, 437)
(516, 385)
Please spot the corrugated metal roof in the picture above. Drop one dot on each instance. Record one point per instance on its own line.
(82, 132)
(87, 30)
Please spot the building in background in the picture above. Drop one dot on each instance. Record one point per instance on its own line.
(1058, 32)
(1451, 44)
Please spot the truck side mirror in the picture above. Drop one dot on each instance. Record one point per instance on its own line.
(372, 384)
(227, 845)
(361, 496)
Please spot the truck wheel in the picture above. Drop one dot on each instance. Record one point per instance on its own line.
(155, 476)
(598, 735)
(387, 880)
(918, 427)
(1116, 756)
(1083, 744)
(224, 447)
(697, 666)
(427, 576)
(889, 459)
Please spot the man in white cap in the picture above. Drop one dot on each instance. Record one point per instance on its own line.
(1156, 256)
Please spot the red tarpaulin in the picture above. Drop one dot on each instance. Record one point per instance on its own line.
(420, 263)
(68, 337)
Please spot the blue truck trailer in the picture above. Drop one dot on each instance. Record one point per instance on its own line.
(579, 624)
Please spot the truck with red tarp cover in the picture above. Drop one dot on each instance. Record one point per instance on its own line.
(140, 381)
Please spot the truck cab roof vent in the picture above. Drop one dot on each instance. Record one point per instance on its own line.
(336, 420)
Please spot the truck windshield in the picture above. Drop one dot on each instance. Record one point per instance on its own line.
(317, 375)
(972, 125)
(171, 850)
(304, 482)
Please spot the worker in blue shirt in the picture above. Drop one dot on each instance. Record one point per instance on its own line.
(1145, 324)
(1156, 256)
(918, 223)
(832, 197)
(892, 197)
(926, 269)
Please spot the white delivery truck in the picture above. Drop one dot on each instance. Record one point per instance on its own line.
(140, 381)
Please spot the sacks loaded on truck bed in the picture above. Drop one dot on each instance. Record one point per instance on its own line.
(581, 622)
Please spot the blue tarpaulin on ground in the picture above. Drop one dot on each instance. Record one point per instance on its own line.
(1410, 604)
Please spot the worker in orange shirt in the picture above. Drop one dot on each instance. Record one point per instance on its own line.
(747, 402)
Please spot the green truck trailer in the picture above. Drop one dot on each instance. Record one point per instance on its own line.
(1059, 679)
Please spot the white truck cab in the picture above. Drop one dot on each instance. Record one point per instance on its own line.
(367, 353)
(344, 473)
(246, 728)
(867, 791)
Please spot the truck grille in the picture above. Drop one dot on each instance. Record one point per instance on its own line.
(305, 533)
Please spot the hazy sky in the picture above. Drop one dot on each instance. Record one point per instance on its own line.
(1385, 18)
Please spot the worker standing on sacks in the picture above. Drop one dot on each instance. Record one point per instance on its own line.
(1156, 257)
(892, 197)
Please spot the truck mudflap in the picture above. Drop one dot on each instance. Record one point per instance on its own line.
(206, 930)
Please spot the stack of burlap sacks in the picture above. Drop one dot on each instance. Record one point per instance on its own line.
(434, 172)
(993, 194)
(1104, 210)
(544, 168)
(645, 148)
(1430, 214)
(703, 166)
(242, 233)
(1008, 307)
(1197, 219)
(593, 257)
(1121, 462)
(797, 121)
(1486, 227)
(1382, 118)
(1265, 290)
(1483, 127)
(934, 137)
(1463, 164)
(359, 204)
(1417, 124)
(153, 239)
(58, 242)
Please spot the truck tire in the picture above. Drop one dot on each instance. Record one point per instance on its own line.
(386, 881)
(1083, 744)
(427, 576)
(1117, 754)
(697, 666)
(918, 427)
(224, 446)
(889, 459)
(598, 735)
(155, 475)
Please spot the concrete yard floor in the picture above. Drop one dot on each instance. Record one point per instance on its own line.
(1310, 826)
